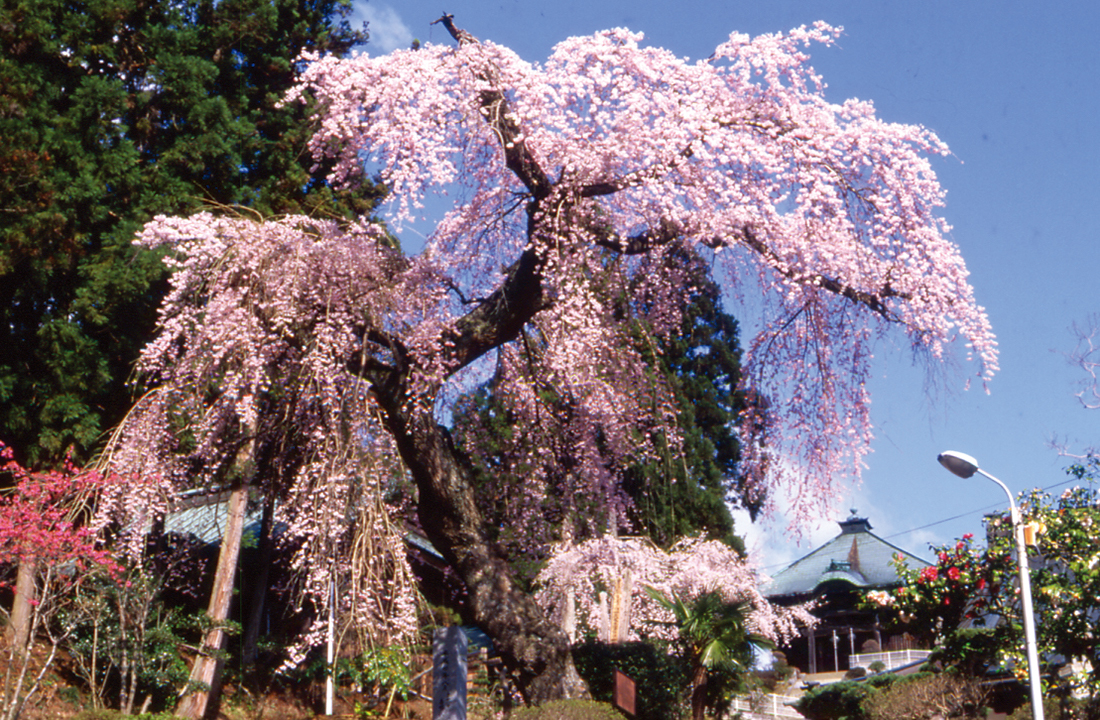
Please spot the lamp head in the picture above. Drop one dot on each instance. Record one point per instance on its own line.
(958, 463)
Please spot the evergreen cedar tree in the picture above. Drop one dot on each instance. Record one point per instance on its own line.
(109, 116)
(313, 354)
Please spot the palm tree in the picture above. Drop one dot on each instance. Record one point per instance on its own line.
(713, 636)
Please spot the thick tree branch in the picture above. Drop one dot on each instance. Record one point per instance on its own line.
(500, 317)
(644, 241)
(636, 178)
(874, 301)
(497, 112)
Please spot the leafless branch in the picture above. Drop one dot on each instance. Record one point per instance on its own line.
(1087, 356)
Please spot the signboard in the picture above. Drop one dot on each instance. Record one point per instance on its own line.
(624, 693)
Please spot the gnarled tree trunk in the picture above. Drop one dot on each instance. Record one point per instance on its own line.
(535, 650)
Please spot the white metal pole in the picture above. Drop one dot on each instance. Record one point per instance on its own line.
(330, 680)
(1030, 641)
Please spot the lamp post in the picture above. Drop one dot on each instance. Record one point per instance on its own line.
(965, 466)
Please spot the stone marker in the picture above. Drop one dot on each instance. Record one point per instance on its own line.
(449, 648)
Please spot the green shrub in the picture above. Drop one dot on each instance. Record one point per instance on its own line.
(660, 680)
(837, 701)
(380, 671)
(877, 666)
(889, 697)
(569, 710)
(141, 655)
(973, 650)
(782, 669)
(884, 681)
(105, 714)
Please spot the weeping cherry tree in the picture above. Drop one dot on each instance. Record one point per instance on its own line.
(314, 358)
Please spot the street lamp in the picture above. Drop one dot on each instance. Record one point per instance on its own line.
(965, 466)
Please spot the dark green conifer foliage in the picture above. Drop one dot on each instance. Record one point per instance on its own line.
(690, 490)
(112, 111)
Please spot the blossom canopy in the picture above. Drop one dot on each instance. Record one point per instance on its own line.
(827, 213)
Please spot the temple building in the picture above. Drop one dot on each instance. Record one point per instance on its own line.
(837, 575)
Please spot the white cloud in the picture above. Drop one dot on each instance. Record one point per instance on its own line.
(387, 30)
(770, 544)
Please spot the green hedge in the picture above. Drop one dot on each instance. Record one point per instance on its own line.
(660, 679)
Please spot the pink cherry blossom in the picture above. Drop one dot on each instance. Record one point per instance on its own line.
(691, 568)
(822, 213)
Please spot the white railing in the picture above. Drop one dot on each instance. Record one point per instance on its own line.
(765, 706)
(890, 660)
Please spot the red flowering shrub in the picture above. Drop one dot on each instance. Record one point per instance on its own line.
(41, 514)
(45, 541)
(962, 588)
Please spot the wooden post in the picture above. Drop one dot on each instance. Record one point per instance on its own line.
(811, 648)
(626, 590)
(207, 668)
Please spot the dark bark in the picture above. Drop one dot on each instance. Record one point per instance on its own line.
(535, 651)
(698, 692)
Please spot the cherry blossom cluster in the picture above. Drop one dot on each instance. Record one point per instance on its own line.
(252, 351)
(691, 568)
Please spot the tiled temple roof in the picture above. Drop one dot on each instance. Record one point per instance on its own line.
(856, 556)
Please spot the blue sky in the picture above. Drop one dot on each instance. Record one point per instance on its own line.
(1014, 90)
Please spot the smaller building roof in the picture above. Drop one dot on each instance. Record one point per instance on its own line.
(855, 556)
(203, 513)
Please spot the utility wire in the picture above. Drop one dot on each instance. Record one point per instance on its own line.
(985, 509)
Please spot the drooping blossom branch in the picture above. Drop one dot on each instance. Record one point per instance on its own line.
(252, 350)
